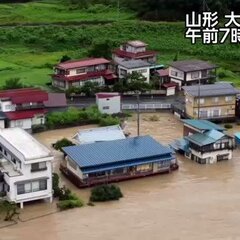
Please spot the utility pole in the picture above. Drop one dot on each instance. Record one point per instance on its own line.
(138, 115)
(205, 6)
(199, 98)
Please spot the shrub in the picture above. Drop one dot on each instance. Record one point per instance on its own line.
(63, 143)
(38, 128)
(105, 193)
(55, 185)
(153, 118)
(108, 121)
(228, 126)
(68, 204)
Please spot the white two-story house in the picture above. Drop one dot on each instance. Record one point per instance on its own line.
(126, 67)
(191, 72)
(25, 167)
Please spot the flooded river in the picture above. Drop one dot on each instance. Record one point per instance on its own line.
(196, 202)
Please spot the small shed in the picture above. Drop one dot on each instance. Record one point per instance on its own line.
(108, 103)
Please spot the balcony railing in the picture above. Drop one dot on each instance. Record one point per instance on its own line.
(27, 107)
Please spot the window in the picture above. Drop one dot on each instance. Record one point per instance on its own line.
(142, 71)
(33, 186)
(106, 108)
(195, 75)
(228, 98)
(19, 123)
(203, 113)
(80, 70)
(215, 99)
(201, 100)
(39, 167)
(216, 113)
(72, 164)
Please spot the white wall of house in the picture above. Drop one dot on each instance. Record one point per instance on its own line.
(132, 49)
(145, 71)
(109, 105)
(22, 173)
(73, 167)
(2, 124)
(38, 120)
(22, 123)
(7, 106)
(212, 156)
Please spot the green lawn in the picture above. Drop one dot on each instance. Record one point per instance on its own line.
(30, 52)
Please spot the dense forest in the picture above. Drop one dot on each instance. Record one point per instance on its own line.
(168, 10)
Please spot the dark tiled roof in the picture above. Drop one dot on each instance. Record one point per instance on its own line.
(56, 100)
(130, 64)
(218, 89)
(192, 65)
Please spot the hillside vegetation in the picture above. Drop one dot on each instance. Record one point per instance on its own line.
(29, 52)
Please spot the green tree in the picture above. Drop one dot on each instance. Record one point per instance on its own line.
(63, 143)
(13, 83)
(10, 209)
(65, 58)
(175, 57)
(136, 82)
(101, 50)
(90, 88)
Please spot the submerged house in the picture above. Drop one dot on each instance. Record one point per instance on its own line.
(211, 102)
(118, 160)
(204, 142)
(25, 167)
(100, 134)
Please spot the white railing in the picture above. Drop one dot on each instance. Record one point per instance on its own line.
(146, 106)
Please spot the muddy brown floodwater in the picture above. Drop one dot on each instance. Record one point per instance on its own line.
(196, 202)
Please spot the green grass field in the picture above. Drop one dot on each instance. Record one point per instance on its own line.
(52, 11)
(30, 52)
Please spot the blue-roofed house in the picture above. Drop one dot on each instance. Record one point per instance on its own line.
(204, 142)
(191, 126)
(111, 161)
(210, 147)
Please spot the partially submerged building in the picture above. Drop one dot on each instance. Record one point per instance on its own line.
(212, 101)
(100, 134)
(25, 167)
(112, 161)
(204, 142)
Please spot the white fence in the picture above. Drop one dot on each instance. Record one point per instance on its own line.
(146, 106)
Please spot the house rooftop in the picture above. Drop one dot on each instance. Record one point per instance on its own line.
(208, 90)
(202, 124)
(123, 150)
(203, 139)
(82, 63)
(24, 95)
(130, 64)
(137, 43)
(100, 134)
(56, 100)
(26, 114)
(24, 143)
(192, 65)
(107, 94)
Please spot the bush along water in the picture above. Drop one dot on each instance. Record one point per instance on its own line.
(105, 193)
